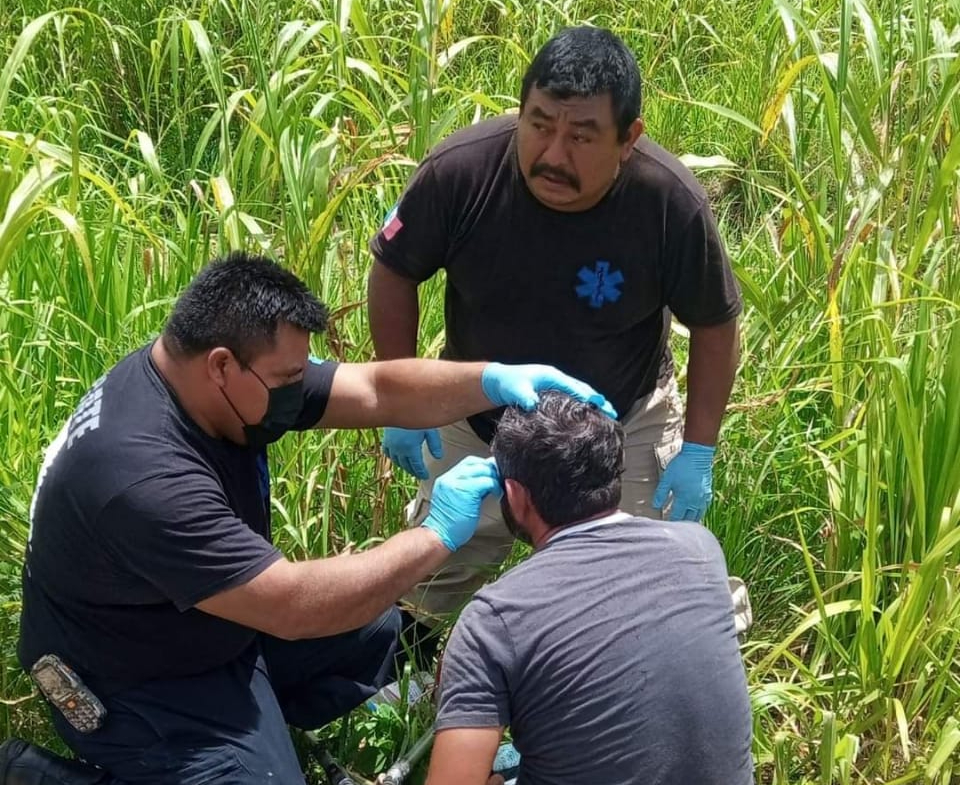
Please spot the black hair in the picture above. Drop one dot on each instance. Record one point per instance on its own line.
(566, 453)
(583, 62)
(238, 301)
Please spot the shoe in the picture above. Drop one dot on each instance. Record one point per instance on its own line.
(26, 764)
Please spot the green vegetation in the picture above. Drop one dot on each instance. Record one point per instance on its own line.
(138, 139)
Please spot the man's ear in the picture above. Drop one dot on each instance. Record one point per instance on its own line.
(634, 132)
(218, 360)
(518, 497)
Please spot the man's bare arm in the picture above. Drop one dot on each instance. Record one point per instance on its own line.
(311, 599)
(394, 313)
(405, 393)
(714, 354)
(464, 756)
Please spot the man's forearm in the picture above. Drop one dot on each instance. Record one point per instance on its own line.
(320, 597)
(712, 365)
(423, 393)
(343, 593)
(394, 313)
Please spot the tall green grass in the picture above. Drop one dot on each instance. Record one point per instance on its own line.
(139, 139)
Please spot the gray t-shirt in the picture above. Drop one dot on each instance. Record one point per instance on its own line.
(612, 655)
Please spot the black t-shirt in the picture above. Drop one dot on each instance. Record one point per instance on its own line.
(139, 515)
(589, 292)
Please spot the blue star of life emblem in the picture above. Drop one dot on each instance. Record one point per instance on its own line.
(599, 285)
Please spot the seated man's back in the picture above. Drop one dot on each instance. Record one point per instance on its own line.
(611, 652)
(612, 655)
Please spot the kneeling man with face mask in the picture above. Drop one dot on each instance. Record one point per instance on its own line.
(173, 640)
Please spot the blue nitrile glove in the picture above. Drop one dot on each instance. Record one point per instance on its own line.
(457, 496)
(405, 448)
(518, 385)
(689, 477)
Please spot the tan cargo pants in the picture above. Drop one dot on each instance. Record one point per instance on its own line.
(653, 434)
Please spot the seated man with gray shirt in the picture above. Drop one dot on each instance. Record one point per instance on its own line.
(611, 652)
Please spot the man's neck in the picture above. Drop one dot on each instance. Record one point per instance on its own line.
(550, 533)
(177, 376)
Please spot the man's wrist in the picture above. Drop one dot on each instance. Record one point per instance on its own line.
(488, 381)
(699, 447)
(438, 537)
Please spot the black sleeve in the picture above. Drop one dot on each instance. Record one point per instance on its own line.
(415, 236)
(474, 691)
(700, 287)
(317, 382)
(176, 531)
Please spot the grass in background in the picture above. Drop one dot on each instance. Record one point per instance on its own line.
(139, 139)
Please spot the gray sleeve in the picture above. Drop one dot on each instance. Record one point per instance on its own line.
(475, 675)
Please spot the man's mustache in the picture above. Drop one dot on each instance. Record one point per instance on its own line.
(572, 180)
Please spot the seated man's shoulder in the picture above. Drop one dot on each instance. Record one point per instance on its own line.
(499, 606)
(684, 535)
(695, 537)
(521, 596)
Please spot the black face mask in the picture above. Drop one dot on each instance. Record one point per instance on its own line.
(284, 405)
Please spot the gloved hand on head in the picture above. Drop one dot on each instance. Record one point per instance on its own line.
(504, 385)
(457, 497)
(519, 385)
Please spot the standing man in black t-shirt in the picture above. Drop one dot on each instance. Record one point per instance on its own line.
(570, 238)
(150, 570)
